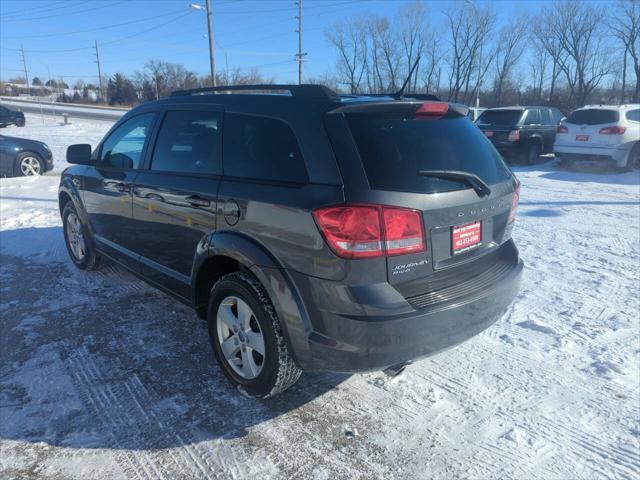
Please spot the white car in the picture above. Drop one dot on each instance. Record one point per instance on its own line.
(601, 133)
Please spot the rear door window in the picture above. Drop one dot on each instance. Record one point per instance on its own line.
(393, 147)
(500, 117)
(546, 117)
(261, 148)
(189, 142)
(593, 116)
(533, 117)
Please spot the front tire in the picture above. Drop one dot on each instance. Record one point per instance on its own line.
(78, 240)
(29, 164)
(247, 338)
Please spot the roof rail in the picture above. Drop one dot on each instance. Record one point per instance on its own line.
(309, 91)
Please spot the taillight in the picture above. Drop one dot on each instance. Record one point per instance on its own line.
(562, 129)
(432, 109)
(403, 231)
(514, 204)
(612, 130)
(367, 231)
(514, 135)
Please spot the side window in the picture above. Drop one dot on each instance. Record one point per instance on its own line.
(123, 148)
(546, 117)
(557, 115)
(261, 148)
(188, 142)
(633, 115)
(533, 117)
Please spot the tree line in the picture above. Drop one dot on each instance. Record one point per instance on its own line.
(567, 54)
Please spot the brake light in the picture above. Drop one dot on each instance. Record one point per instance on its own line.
(402, 231)
(368, 231)
(514, 204)
(432, 109)
(514, 135)
(612, 130)
(562, 129)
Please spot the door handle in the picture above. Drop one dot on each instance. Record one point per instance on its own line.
(197, 201)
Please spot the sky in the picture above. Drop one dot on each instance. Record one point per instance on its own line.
(58, 36)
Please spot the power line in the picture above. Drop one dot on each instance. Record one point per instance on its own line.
(141, 32)
(105, 27)
(52, 7)
(66, 14)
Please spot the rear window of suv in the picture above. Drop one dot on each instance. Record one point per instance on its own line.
(500, 117)
(593, 116)
(394, 146)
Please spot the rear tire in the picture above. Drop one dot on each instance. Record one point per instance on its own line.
(78, 240)
(265, 370)
(532, 153)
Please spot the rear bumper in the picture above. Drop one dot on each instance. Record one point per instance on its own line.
(602, 153)
(353, 343)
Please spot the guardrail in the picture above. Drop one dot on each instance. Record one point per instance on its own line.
(92, 112)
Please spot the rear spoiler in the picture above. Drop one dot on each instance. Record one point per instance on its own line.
(407, 105)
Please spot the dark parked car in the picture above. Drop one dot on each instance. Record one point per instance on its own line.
(11, 117)
(523, 133)
(19, 156)
(312, 231)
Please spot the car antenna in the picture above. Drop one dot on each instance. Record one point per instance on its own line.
(399, 94)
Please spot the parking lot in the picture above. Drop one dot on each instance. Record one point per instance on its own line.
(102, 376)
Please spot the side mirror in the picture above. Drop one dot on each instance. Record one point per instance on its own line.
(79, 154)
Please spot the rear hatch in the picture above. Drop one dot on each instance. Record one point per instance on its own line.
(496, 124)
(586, 127)
(405, 156)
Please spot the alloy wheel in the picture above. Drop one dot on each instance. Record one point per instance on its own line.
(75, 237)
(30, 166)
(240, 337)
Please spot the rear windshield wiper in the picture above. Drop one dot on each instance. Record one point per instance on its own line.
(478, 185)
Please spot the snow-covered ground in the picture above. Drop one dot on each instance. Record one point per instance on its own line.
(104, 377)
(49, 128)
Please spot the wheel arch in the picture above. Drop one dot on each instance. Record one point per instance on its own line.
(68, 192)
(228, 252)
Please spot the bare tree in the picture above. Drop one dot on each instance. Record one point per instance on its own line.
(508, 52)
(538, 68)
(349, 38)
(582, 56)
(411, 23)
(469, 26)
(625, 25)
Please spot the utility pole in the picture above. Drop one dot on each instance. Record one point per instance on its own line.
(102, 96)
(299, 56)
(24, 64)
(212, 61)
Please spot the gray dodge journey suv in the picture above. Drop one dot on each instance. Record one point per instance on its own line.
(312, 231)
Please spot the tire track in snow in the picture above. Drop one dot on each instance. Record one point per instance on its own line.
(625, 464)
(130, 412)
